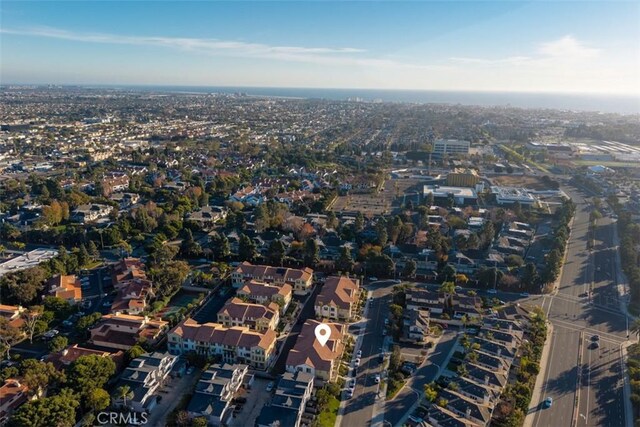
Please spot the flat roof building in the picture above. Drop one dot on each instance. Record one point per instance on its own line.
(510, 195)
(461, 195)
(450, 146)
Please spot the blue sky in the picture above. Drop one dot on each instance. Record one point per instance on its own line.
(542, 46)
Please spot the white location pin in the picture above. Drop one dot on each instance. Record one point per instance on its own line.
(323, 332)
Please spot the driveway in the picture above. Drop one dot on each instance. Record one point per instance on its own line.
(175, 390)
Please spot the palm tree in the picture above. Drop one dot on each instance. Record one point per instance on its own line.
(124, 392)
(635, 327)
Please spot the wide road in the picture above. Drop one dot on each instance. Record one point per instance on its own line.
(576, 371)
(359, 410)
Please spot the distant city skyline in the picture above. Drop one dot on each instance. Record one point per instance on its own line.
(506, 46)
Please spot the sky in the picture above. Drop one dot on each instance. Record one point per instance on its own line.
(506, 46)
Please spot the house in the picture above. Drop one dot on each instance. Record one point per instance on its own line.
(68, 288)
(123, 331)
(207, 216)
(263, 293)
(309, 356)
(125, 200)
(338, 298)
(91, 212)
(113, 183)
(236, 344)
(133, 296)
(300, 280)
(466, 408)
(288, 403)
(13, 313)
(144, 376)
(424, 299)
(12, 394)
(415, 326)
(442, 417)
(66, 357)
(254, 316)
(215, 392)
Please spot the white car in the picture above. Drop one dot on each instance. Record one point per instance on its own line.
(351, 384)
(492, 291)
(359, 354)
(377, 379)
(356, 363)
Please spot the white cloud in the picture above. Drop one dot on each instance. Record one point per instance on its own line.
(567, 47)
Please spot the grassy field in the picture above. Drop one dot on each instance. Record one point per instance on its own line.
(610, 164)
(179, 300)
(327, 418)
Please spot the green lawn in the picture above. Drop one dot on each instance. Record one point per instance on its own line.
(327, 418)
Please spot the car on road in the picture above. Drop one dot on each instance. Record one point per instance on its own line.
(525, 294)
(548, 402)
(377, 378)
(492, 291)
(595, 338)
(270, 386)
(373, 279)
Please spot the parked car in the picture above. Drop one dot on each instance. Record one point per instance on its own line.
(548, 402)
(349, 394)
(356, 363)
(377, 378)
(492, 291)
(359, 354)
(351, 384)
(190, 370)
(373, 279)
(595, 338)
(524, 294)
(270, 386)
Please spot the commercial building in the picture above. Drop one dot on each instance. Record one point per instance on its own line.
(237, 344)
(450, 146)
(510, 195)
(463, 178)
(461, 196)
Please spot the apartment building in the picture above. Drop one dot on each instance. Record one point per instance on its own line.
(123, 331)
(263, 293)
(144, 375)
(236, 344)
(258, 317)
(215, 391)
(301, 280)
(308, 355)
(338, 298)
(288, 403)
(450, 146)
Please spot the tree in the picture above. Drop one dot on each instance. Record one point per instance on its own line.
(98, 400)
(311, 253)
(277, 252)
(30, 318)
(345, 263)
(246, 249)
(58, 344)
(448, 273)
(58, 410)
(135, 351)
(199, 422)
(514, 261)
(359, 222)
(9, 335)
(124, 392)
(410, 269)
(431, 392)
(529, 275)
(93, 250)
(90, 372)
(39, 375)
(169, 277)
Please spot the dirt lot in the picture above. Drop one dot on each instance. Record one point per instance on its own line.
(527, 181)
(384, 202)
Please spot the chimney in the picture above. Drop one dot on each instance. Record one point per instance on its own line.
(468, 412)
(486, 380)
(510, 327)
(499, 351)
(65, 352)
(486, 398)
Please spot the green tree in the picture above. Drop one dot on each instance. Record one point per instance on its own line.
(98, 400)
(345, 262)
(410, 269)
(277, 252)
(90, 372)
(58, 410)
(38, 376)
(93, 250)
(529, 275)
(9, 335)
(135, 351)
(199, 422)
(246, 249)
(31, 318)
(448, 273)
(431, 392)
(311, 253)
(58, 344)
(123, 393)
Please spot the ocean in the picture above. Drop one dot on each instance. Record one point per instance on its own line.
(599, 103)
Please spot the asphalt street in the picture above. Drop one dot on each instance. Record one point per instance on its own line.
(576, 371)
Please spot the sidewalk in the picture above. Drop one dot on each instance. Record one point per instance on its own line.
(537, 389)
